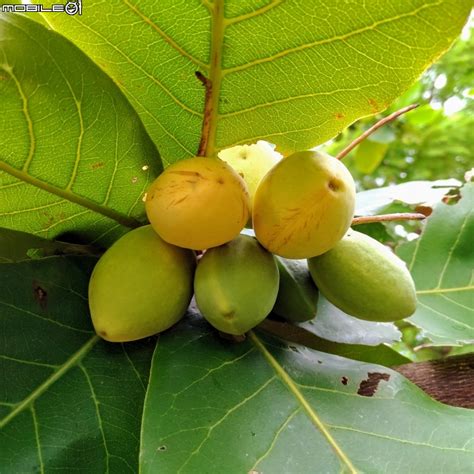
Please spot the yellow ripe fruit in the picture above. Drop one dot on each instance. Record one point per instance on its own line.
(304, 205)
(140, 286)
(198, 203)
(252, 162)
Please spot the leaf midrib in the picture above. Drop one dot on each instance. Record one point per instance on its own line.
(313, 416)
(71, 362)
(122, 219)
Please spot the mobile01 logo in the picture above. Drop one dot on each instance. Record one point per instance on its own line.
(71, 8)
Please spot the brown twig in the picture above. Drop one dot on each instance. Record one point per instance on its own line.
(398, 216)
(207, 113)
(373, 128)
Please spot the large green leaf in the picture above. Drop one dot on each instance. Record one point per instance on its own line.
(73, 153)
(294, 73)
(214, 406)
(441, 262)
(68, 401)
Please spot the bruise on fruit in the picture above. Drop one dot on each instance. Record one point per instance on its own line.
(179, 201)
(344, 380)
(369, 386)
(189, 173)
(40, 295)
(333, 185)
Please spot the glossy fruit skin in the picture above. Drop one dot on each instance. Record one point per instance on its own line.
(365, 279)
(298, 296)
(198, 203)
(236, 285)
(251, 162)
(304, 205)
(140, 286)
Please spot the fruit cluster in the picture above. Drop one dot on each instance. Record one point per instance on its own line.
(301, 207)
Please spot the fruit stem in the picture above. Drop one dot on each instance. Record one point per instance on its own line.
(373, 128)
(213, 83)
(398, 216)
(207, 113)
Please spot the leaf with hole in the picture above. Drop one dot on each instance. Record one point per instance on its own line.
(261, 406)
(69, 401)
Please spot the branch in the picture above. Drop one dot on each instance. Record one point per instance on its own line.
(398, 216)
(206, 121)
(373, 128)
(449, 380)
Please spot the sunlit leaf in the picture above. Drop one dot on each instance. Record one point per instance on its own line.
(74, 156)
(293, 73)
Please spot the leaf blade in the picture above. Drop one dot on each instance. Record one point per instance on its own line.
(65, 125)
(197, 379)
(444, 285)
(69, 401)
(260, 72)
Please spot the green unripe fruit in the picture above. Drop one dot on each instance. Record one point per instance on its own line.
(304, 205)
(365, 279)
(251, 162)
(297, 295)
(236, 285)
(140, 286)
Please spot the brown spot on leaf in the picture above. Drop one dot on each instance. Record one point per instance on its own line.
(98, 165)
(425, 210)
(373, 105)
(162, 448)
(40, 295)
(369, 386)
(339, 115)
(344, 380)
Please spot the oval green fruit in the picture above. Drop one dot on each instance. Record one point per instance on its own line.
(236, 285)
(298, 296)
(304, 205)
(365, 279)
(140, 286)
